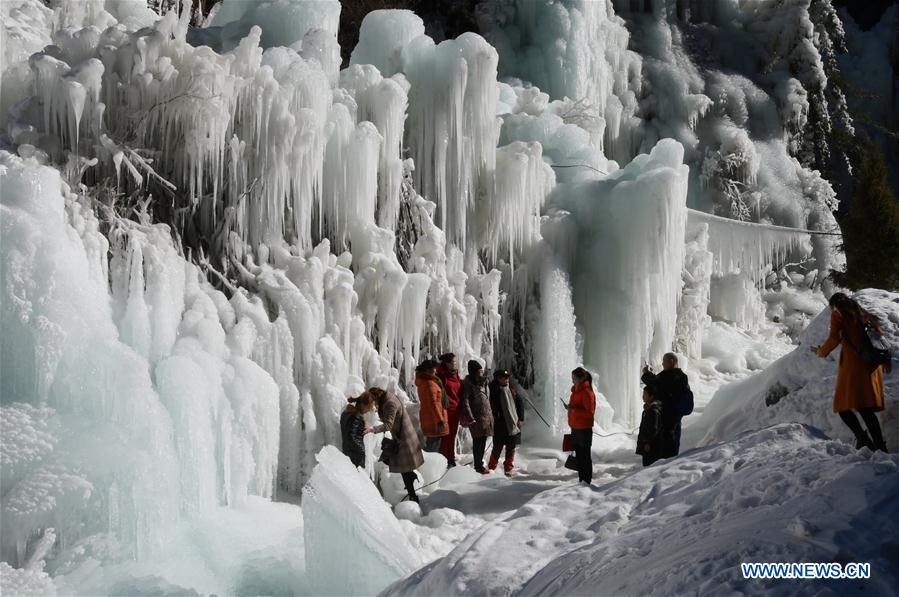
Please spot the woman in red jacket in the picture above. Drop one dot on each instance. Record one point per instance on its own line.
(581, 411)
(448, 373)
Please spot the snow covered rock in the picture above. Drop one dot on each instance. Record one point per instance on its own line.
(785, 493)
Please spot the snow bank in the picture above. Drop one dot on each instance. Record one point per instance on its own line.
(784, 494)
(799, 387)
(354, 544)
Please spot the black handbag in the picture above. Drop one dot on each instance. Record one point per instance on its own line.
(571, 462)
(389, 447)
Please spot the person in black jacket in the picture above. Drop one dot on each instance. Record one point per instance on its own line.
(353, 427)
(649, 439)
(667, 387)
(508, 416)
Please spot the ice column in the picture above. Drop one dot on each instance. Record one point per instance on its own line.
(627, 274)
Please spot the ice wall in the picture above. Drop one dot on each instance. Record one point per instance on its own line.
(627, 269)
(354, 544)
(88, 430)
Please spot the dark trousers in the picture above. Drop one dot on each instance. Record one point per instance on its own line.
(409, 481)
(670, 440)
(649, 459)
(582, 439)
(869, 416)
(432, 444)
(478, 446)
(500, 443)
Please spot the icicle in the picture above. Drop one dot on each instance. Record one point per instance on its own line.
(749, 247)
(512, 217)
(452, 130)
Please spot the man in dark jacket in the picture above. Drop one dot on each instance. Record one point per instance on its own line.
(649, 438)
(508, 416)
(668, 386)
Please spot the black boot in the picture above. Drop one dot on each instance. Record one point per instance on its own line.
(863, 441)
(409, 482)
(861, 436)
(873, 425)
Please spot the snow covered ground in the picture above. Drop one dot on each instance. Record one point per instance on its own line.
(786, 493)
(799, 387)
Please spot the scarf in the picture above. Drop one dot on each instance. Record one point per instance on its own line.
(509, 413)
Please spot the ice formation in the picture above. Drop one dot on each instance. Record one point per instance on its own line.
(212, 235)
(748, 247)
(350, 532)
(627, 272)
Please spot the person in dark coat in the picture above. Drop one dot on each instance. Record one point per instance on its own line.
(667, 386)
(650, 435)
(448, 372)
(395, 419)
(508, 417)
(475, 412)
(353, 427)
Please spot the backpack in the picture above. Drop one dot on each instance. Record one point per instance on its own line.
(875, 350)
(685, 401)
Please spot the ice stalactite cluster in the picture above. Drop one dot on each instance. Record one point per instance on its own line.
(627, 272)
(576, 49)
(752, 249)
(453, 129)
(692, 311)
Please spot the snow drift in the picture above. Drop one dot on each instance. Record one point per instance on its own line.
(799, 387)
(785, 493)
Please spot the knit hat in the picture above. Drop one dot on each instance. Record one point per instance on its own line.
(446, 357)
(501, 373)
(473, 367)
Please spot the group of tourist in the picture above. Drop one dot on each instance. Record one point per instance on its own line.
(494, 410)
(488, 409)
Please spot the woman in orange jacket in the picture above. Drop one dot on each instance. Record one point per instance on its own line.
(432, 401)
(859, 386)
(581, 412)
